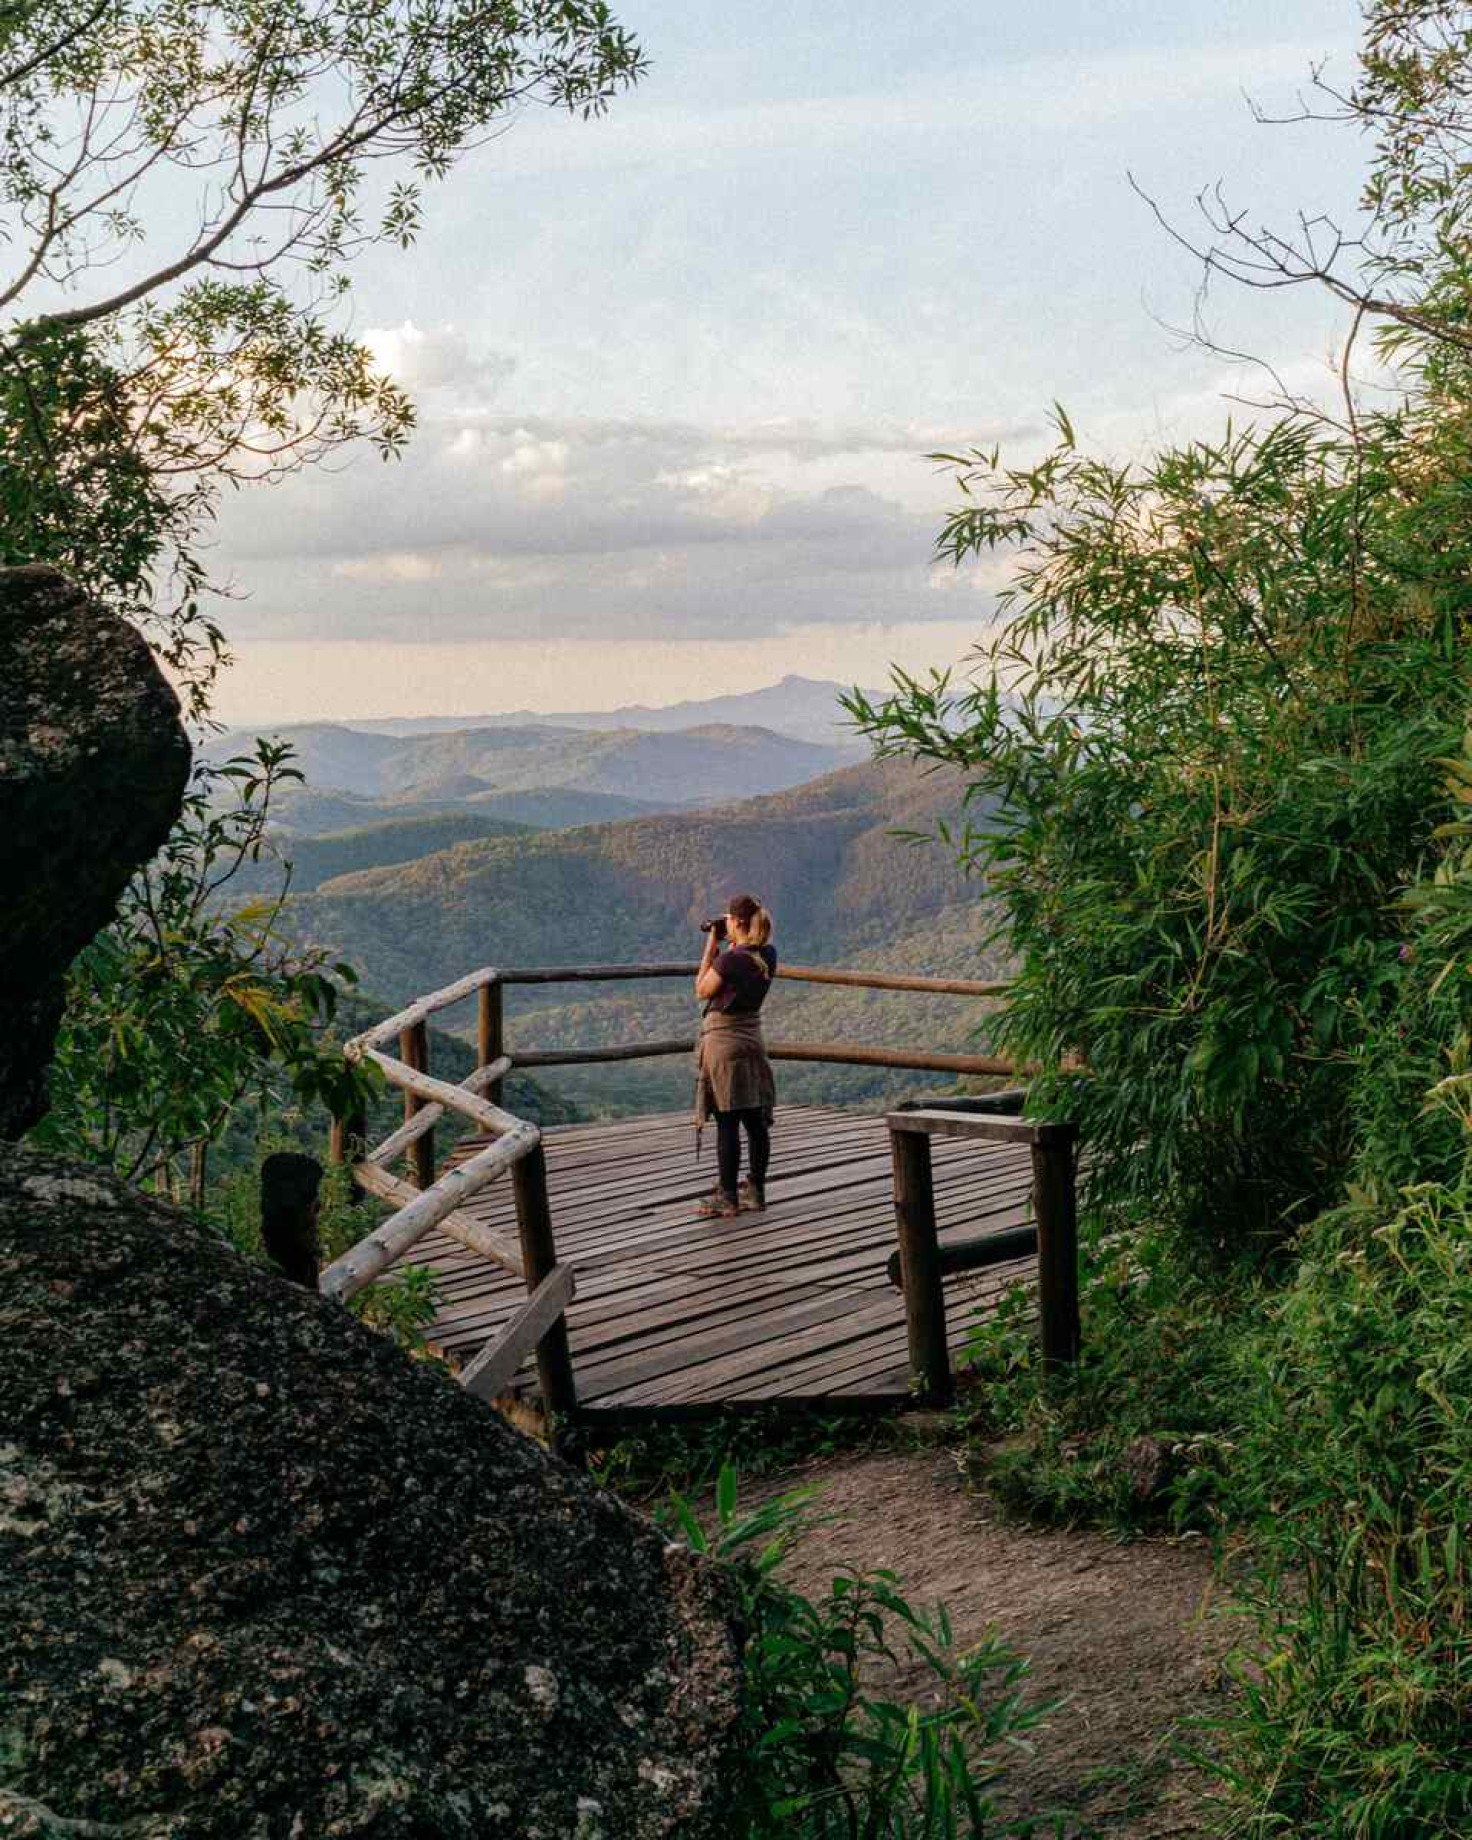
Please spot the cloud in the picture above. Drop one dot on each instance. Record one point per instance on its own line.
(507, 486)
(504, 526)
(397, 566)
(433, 359)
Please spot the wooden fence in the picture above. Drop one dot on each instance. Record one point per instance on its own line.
(921, 1263)
(434, 1199)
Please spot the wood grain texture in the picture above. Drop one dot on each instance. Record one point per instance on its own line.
(679, 1315)
(495, 1366)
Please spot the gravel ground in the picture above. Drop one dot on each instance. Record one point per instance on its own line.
(1123, 1632)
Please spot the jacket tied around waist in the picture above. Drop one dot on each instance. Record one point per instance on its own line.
(732, 1072)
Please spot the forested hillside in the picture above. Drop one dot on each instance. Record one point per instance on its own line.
(844, 887)
(310, 811)
(316, 859)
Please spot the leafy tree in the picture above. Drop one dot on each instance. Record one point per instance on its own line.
(183, 187)
(1211, 711)
(185, 1008)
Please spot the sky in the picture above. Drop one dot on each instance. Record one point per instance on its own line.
(678, 369)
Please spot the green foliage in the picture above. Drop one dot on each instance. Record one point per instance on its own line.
(314, 860)
(401, 1303)
(180, 1012)
(1357, 1473)
(1413, 1096)
(646, 1465)
(827, 1752)
(1214, 766)
(1226, 687)
(77, 491)
(1210, 716)
(1143, 1431)
(182, 192)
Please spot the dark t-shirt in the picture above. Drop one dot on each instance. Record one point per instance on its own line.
(744, 987)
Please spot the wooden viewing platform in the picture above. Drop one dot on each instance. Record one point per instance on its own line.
(675, 1316)
(591, 1260)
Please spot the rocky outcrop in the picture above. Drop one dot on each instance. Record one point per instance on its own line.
(264, 1575)
(93, 763)
(261, 1574)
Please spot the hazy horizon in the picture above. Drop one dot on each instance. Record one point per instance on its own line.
(678, 370)
(354, 682)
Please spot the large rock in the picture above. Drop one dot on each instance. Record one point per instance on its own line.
(265, 1576)
(93, 764)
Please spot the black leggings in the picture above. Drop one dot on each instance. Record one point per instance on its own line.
(758, 1122)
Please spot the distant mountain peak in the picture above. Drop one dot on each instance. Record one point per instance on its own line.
(797, 707)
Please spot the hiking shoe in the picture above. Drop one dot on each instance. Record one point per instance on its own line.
(751, 1199)
(717, 1206)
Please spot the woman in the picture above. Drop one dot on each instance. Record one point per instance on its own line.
(733, 1077)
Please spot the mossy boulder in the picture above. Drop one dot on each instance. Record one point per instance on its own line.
(264, 1575)
(93, 765)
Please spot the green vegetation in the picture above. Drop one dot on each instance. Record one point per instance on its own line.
(183, 193)
(401, 1303)
(1236, 680)
(845, 889)
(313, 811)
(180, 1015)
(830, 1756)
(313, 860)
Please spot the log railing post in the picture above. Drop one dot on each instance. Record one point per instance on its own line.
(491, 1033)
(539, 1255)
(414, 1052)
(925, 1304)
(1055, 1209)
(290, 1185)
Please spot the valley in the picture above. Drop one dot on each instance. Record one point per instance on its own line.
(829, 856)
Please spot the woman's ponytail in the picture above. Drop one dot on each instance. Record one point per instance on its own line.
(756, 922)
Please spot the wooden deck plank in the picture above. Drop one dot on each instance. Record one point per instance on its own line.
(716, 1267)
(674, 1232)
(790, 1304)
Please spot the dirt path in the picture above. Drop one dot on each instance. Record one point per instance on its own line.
(1120, 1630)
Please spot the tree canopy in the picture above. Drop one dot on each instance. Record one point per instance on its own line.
(184, 185)
(1212, 714)
(183, 188)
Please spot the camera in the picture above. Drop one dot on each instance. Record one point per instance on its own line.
(716, 926)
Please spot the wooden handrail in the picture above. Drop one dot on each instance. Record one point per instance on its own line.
(922, 1262)
(836, 1053)
(802, 974)
(439, 1200)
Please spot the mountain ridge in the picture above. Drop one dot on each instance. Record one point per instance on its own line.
(701, 765)
(843, 887)
(802, 708)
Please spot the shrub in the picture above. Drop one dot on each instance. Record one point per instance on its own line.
(402, 1303)
(1356, 1699)
(1142, 1430)
(829, 1756)
(1205, 740)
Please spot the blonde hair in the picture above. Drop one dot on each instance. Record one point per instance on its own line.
(753, 919)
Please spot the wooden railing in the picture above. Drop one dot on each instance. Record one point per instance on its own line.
(921, 1263)
(540, 1326)
(437, 1200)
